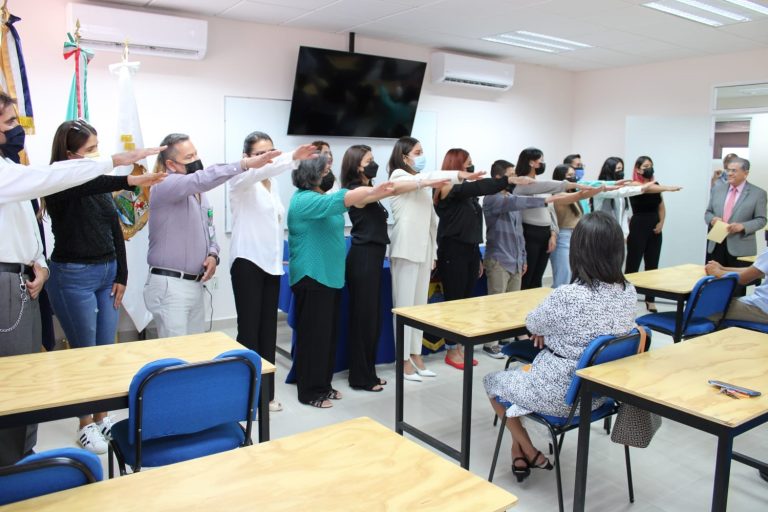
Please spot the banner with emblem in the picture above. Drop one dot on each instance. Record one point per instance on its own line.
(132, 205)
(77, 106)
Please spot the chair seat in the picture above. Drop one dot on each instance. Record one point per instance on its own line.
(522, 350)
(601, 412)
(665, 322)
(752, 326)
(172, 449)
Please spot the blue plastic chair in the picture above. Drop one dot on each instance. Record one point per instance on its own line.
(180, 411)
(48, 472)
(602, 349)
(709, 298)
(752, 326)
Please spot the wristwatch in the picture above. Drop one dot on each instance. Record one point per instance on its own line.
(214, 256)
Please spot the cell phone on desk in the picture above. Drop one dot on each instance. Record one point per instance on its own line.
(732, 387)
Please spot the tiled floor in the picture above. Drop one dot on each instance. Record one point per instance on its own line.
(674, 474)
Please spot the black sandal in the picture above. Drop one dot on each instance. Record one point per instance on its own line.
(320, 403)
(546, 465)
(333, 394)
(382, 382)
(369, 387)
(521, 473)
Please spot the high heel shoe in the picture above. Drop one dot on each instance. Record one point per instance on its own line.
(423, 372)
(546, 465)
(651, 306)
(521, 473)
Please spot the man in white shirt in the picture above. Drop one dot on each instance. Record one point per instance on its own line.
(754, 307)
(23, 270)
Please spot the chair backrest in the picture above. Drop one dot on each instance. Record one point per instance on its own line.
(171, 397)
(710, 297)
(47, 472)
(604, 349)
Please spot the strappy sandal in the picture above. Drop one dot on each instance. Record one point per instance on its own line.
(320, 403)
(333, 394)
(369, 387)
(546, 465)
(382, 382)
(521, 472)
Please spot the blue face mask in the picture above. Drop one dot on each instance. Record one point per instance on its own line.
(579, 173)
(419, 163)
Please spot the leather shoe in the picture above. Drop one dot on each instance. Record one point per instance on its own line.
(425, 372)
(412, 376)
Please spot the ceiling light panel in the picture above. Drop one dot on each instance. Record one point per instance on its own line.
(510, 42)
(696, 4)
(538, 42)
(752, 6)
(683, 14)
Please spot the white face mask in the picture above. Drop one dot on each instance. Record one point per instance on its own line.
(419, 162)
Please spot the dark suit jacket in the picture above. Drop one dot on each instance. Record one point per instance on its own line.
(749, 210)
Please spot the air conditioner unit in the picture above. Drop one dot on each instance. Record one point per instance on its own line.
(105, 28)
(460, 70)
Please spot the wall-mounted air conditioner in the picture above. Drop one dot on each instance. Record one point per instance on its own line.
(105, 28)
(469, 71)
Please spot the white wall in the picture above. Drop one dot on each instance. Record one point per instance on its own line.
(253, 60)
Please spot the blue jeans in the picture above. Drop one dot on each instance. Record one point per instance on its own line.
(80, 294)
(561, 266)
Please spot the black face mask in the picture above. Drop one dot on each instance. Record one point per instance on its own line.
(648, 173)
(471, 168)
(192, 167)
(327, 182)
(619, 175)
(370, 170)
(572, 179)
(541, 168)
(14, 143)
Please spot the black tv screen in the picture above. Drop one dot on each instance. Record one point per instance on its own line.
(354, 95)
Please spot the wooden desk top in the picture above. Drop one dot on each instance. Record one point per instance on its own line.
(748, 259)
(64, 377)
(353, 465)
(677, 375)
(678, 279)
(479, 315)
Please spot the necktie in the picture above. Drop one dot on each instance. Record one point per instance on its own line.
(729, 202)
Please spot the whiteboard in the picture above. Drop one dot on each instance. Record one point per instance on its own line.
(245, 115)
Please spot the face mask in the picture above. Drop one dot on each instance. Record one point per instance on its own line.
(619, 175)
(14, 143)
(541, 168)
(572, 179)
(92, 154)
(327, 182)
(193, 167)
(419, 163)
(471, 168)
(371, 169)
(648, 173)
(579, 173)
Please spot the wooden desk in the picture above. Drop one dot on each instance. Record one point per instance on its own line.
(354, 465)
(48, 386)
(468, 322)
(748, 259)
(674, 283)
(672, 382)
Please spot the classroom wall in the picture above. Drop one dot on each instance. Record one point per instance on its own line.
(246, 59)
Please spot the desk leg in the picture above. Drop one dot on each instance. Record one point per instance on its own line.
(466, 404)
(264, 410)
(722, 472)
(679, 320)
(399, 370)
(582, 453)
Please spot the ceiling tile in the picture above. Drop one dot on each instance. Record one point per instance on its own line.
(754, 30)
(262, 13)
(195, 6)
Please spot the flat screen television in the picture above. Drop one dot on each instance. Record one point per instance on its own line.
(347, 94)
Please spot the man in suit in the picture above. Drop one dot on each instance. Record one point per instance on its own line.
(742, 206)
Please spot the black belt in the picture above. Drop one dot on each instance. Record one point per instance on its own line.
(175, 273)
(17, 268)
(554, 353)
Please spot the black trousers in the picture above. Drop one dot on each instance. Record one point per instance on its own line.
(721, 255)
(643, 244)
(458, 265)
(256, 295)
(536, 244)
(316, 329)
(363, 271)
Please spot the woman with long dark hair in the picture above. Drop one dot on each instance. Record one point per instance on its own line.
(88, 264)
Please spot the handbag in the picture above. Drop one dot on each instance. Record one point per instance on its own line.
(635, 426)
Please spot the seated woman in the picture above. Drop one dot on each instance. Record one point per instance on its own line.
(599, 302)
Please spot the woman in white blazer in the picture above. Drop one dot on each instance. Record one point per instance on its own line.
(413, 249)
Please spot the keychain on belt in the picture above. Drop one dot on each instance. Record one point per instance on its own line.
(24, 296)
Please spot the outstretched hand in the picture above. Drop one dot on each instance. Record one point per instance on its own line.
(146, 180)
(254, 162)
(305, 152)
(131, 157)
(471, 176)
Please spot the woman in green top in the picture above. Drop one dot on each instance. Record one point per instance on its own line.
(318, 251)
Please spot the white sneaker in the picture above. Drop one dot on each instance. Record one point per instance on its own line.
(494, 352)
(91, 439)
(105, 427)
(275, 406)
